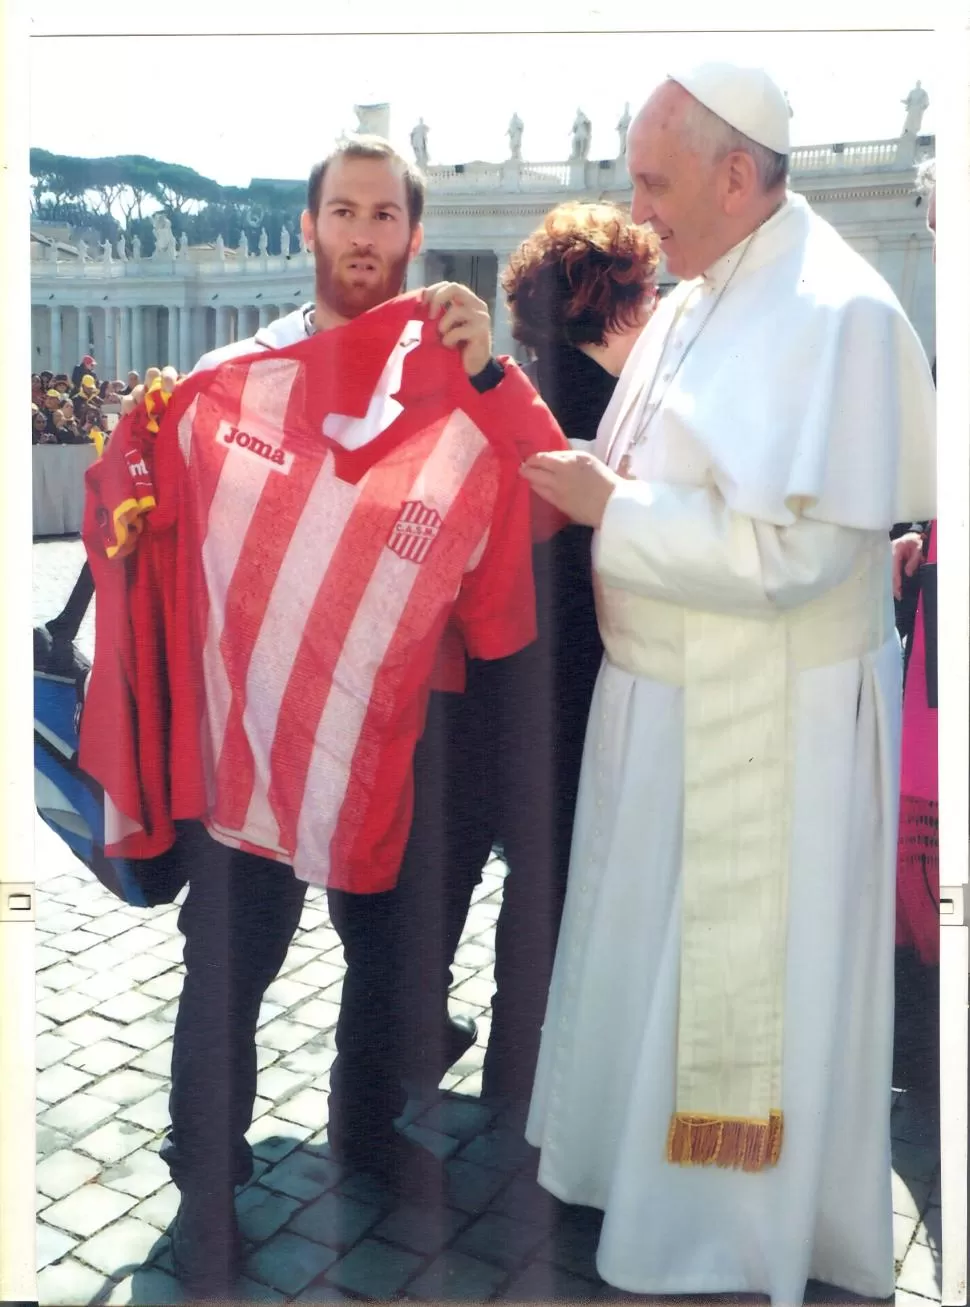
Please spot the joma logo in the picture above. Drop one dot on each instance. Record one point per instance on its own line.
(274, 454)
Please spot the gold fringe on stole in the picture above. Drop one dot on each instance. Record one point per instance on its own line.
(725, 1141)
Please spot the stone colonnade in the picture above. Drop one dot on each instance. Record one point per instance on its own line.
(126, 338)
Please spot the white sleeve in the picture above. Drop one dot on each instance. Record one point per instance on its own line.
(682, 544)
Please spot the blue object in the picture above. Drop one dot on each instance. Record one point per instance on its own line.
(69, 801)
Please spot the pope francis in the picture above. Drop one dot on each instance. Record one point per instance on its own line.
(717, 1051)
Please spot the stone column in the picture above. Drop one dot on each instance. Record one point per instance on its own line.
(109, 364)
(186, 360)
(908, 280)
(85, 333)
(266, 315)
(124, 343)
(172, 352)
(502, 342)
(99, 329)
(138, 363)
(222, 325)
(55, 363)
(70, 338)
(200, 334)
(151, 341)
(417, 270)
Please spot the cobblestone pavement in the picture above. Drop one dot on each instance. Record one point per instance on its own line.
(108, 980)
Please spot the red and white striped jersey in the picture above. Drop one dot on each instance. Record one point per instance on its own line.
(336, 504)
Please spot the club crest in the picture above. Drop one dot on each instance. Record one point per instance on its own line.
(414, 532)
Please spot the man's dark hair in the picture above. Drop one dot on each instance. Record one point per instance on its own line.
(370, 147)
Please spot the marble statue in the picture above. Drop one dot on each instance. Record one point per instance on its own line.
(582, 134)
(623, 128)
(105, 251)
(514, 134)
(121, 251)
(373, 119)
(263, 242)
(220, 247)
(136, 247)
(916, 104)
(243, 246)
(184, 244)
(164, 237)
(82, 251)
(419, 143)
(285, 242)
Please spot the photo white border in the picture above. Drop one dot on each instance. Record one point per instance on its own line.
(185, 18)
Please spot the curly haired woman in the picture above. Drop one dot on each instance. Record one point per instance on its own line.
(500, 763)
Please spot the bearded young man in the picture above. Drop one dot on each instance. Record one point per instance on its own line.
(716, 1059)
(363, 223)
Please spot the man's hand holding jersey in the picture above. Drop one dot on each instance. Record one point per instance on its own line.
(463, 323)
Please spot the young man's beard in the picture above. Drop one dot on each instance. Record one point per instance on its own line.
(348, 301)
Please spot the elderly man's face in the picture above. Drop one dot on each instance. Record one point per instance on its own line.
(675, 189)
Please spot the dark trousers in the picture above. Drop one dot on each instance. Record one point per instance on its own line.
(238, 919)
(365, 1080)
(500, 762)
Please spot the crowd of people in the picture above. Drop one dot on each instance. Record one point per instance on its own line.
(80, 409)
(690, 756)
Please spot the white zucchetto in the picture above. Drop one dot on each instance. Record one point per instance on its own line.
(745, 97)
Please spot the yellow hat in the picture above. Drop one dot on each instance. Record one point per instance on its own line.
(88, 383)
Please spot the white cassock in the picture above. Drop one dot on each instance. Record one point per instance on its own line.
(786, 441)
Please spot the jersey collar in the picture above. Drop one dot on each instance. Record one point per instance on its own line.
(351, 358)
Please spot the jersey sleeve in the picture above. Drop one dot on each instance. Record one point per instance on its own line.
(495, 612)
(124, 720)
(120, 490)
(514, 411)
(121, 484)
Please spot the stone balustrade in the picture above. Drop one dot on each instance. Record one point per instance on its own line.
(854, 156)
(199, 265)
(151, 309)
(848, 156)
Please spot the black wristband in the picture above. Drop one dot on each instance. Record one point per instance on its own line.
(489, 377)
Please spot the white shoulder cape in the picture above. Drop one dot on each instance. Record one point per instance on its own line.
(809, 391)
